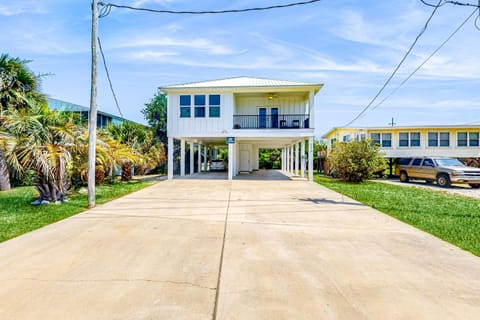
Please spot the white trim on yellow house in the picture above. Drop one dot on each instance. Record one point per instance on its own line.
(448, 143)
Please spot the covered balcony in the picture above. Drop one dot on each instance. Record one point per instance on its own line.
(271, 121)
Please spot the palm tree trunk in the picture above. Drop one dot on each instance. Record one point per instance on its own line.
(4, 174)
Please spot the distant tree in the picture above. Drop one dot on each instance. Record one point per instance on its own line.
(356, 161)
(269, 158)
(155, 112)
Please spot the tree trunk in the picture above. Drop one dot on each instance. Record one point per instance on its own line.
(126, 171)
(4, 175)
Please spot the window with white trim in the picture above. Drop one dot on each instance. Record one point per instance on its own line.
(383, 139)
(438, 139)
(200, 102)
(214, 106)
(185, 106)
(467, 139)
(409, 139)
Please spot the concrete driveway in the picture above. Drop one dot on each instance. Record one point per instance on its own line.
(289, 250)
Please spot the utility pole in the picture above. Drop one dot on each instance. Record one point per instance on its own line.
(92, 120)
(392, 123)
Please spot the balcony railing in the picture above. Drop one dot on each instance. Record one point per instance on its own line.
(276, 121)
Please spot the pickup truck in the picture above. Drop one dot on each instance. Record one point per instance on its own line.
(444, 171)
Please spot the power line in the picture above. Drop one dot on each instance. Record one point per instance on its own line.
(458, 3)
(427, 59)
(107, 7)
(108, 77)
(398, 66)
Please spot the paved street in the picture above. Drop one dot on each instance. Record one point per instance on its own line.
(289, 250)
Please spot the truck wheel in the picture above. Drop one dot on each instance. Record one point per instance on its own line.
(474, 185)
(443, 180)
(403, 176)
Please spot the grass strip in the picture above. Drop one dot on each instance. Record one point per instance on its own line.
(18, 216)
(453, 218)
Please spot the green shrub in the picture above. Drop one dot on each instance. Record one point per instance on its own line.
(356, 161)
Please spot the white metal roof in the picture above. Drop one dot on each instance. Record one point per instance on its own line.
(244, 82)
(410, 127)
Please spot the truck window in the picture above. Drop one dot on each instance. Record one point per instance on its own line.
(404, 161)
(427, 163)
(416, 162)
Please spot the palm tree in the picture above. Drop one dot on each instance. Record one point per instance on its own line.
(6, 145)
(43, 140)
(141, 139)
(18, 89)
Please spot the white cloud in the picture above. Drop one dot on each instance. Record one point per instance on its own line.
(199, 44)
(20, 7)
(140, 3)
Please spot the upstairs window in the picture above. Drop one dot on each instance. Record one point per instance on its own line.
(439, 139)
(346, 138)
(185, 106)
(375, 138)
(444, 139)
(409, 139)
(473, 139)
(414, 139)
(403, 140)
(462, 139)
(386, 140)
(382, 139)
(200, 102)
(214, 106)
(467, 139)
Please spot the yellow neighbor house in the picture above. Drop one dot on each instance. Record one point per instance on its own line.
(396, 142)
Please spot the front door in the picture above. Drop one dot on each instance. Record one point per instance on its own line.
(274, 117)
(244, 161)
(262, 117)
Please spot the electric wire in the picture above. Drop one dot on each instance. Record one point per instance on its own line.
(107, 7)
(476, 23)
(458, 3)
(398, 66)
(108, 76)
(426, 60)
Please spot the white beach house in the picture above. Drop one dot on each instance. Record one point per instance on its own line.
(246, 114)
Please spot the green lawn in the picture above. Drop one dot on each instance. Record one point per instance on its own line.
(453, 218)
(18, 216)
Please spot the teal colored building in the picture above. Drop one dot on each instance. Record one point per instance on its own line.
(103, 118)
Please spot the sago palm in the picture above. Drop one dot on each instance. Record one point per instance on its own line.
(43, 140)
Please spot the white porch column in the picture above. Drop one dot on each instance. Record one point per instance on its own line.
(302, 156)
(310, 159)
(205, 158)
(297, 157)
(289, 156)
(182, 157)
(235, 159)
(292, 156)
(311, 109)
(170, 159)
(230, 161)
(283, 159)
(286, 159)
(192, 169)
(199, 164)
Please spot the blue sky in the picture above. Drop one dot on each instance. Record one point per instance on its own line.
(350, 46)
